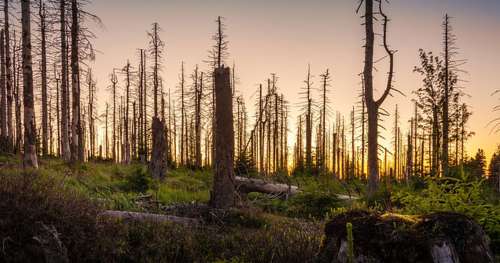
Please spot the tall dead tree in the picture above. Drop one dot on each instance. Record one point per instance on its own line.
(77, 147)
(325, 79)
(43, 34)
(4, 135)
(8, 75)
(308, 118)
(198, 100)
(223, 191)
(30, 158)
(373, 105)
(126, 156)
(158, 158)
(114, 82)
(65, 143)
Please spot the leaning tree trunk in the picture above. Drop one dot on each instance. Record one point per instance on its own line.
(222, 195)
(30, 158)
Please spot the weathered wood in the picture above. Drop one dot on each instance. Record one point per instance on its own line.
(222, 195)
(249, 185)
(158, 165)
(142, 217)
(30, 159)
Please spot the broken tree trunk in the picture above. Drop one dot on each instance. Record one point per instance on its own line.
(222, 195)
(158, 165)
(142, 217)
(249, 185)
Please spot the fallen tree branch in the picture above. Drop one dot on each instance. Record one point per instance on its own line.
(136, 216)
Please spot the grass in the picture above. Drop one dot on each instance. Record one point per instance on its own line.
(68, 198)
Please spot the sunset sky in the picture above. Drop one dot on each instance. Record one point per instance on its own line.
(283, 36)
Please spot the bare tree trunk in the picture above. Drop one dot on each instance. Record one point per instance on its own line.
(373, 105)
(446, 122)
(30, 159)
(114, 82)
(45, 128)
(309, 123)
(66, 151)
(77, 148)
(183, 146)
(158, 165)
(8, 69)
(4, 135)
(222, 195)
(199, 96)
(126, 157)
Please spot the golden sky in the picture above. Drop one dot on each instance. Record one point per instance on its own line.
(283, 36)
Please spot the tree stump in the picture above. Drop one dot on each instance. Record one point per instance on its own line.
(436, 238)
(158, 164)
(222, 194)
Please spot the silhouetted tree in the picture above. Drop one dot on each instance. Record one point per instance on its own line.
(373, 105)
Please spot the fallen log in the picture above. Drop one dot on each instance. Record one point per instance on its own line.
(136, 216)
(250, 185)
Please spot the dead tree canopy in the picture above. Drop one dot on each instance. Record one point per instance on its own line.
(222, 195)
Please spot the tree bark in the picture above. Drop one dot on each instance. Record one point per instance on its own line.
(8, 74)
(222, 195)
(45, 127)
(30, 158)
(66, 151)
(77, 148)
(158, 165)
(4, 135)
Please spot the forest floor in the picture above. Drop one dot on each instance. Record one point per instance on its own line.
(56, 211)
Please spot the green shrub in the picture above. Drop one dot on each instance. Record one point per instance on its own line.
(312, 204)
(462, 195)
(139, 181)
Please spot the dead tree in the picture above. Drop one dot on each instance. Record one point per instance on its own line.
(114, 83)
(223, 192)
(66, 150)
(4, 135)
(158, 158)
(156, 48)
(77, 147)
(30, 158)
(8, 75)
(126, 156)
(325, 79)
(373, 105)
(43, 32)
(198, 100)
(307, 108)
